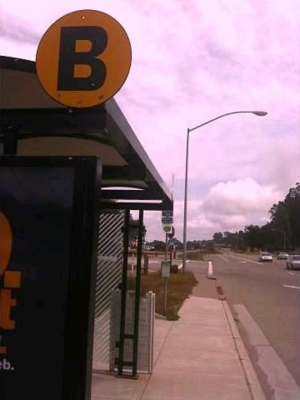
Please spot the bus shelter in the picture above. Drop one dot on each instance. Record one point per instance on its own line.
(34, 126)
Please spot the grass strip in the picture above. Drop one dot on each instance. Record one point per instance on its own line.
(180, 286)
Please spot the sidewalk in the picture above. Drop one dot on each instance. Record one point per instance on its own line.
(200, 356)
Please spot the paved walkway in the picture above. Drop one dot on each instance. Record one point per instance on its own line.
(200, 356)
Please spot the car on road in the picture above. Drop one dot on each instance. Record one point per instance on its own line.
(282, 256)
(264, 256)
(293, 262)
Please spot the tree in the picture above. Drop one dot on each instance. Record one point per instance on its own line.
(218, 237)
(158, 245)
(252, 236)
(285, 216)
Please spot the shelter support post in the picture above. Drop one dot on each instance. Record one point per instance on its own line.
(10, 141)
(137, 293)
(123, 293)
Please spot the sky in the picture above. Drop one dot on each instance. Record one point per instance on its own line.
(193, 60)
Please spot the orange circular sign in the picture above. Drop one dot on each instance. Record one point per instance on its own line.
(83, 59)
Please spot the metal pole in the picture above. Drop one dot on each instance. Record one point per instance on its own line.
(137, 294)
(284, 239)
(123, 293)
(258, 113)
(166, 249)
(166, 284)
(10, 142)
(185, 200)
(166, 296)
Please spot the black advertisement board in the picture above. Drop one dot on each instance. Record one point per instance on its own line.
(48, 228)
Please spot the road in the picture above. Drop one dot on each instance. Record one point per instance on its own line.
(265, 300)
(266, 296)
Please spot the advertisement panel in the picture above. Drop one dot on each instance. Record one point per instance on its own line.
(39, 210)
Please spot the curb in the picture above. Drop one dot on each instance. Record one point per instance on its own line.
(212, 277)
(247, 366)
(250, 374)
(158, 316)
(221, 295)
(220, 292)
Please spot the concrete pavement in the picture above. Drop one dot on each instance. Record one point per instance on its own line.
(270, 295)
(199, 356)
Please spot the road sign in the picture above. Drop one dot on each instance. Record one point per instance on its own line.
(167, 220)
(165, 269)
(83, 59)
(167, 217)
(171, 233)
(167, 228)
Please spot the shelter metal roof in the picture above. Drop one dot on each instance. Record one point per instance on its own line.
(44, 127)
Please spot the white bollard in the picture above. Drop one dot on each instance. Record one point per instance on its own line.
(210, 269)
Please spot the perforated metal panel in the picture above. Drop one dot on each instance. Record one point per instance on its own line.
(109, 277)
(146, 330)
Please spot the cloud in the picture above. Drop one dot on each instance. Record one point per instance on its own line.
(243, 196)
(17, 30)
(192, 61)
(228, 206)
(232, 205)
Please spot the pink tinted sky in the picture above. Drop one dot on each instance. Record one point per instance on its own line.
(194, 60)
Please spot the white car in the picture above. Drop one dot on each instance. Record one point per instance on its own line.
(293, 262)
(282, 256)
(264, 256)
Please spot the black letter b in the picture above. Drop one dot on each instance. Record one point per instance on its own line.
(68, 58)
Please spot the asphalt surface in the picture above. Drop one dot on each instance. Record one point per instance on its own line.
(264, 298)
(271, 294)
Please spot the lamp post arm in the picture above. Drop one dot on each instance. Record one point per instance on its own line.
(220, 116)
(259, 113)
(185, 200)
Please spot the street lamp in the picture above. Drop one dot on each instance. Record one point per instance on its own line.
(284, 237)
(258, 113)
